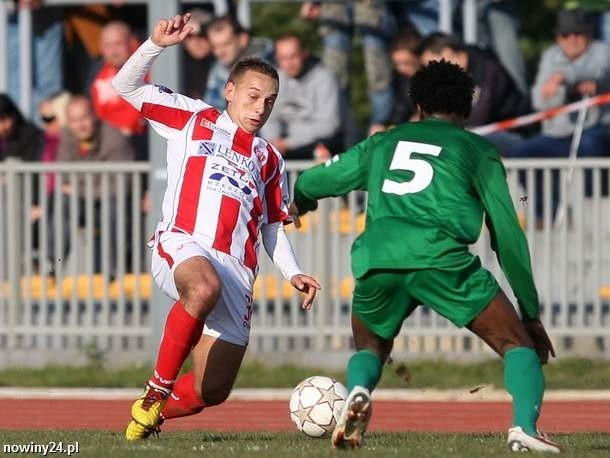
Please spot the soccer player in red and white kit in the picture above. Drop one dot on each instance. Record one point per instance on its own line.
(225, 185)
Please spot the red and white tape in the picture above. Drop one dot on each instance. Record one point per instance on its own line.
(601, 99)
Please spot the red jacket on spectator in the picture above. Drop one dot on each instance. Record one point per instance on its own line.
(110, 107)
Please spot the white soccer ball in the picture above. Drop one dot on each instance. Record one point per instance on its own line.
(316, 404)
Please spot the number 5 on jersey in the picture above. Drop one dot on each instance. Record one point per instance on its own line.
(422, 170)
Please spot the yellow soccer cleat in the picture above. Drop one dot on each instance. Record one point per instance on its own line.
(146, 413)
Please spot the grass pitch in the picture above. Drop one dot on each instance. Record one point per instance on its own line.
(275, 445)
(568, 373)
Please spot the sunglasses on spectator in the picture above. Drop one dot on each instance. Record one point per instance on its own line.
(567, 34)
(48, 119)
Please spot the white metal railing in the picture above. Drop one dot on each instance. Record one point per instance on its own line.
(46, 318)
(71, 258)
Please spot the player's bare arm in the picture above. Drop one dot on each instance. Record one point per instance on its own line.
(168, 32)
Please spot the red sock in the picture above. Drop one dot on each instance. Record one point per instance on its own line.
(183, 401)
(182, 332)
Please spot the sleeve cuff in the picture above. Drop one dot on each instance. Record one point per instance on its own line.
(152, 47)
(292, 273)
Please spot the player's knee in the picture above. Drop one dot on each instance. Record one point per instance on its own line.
(213, 390)
(512, 340)
(214, 395)
(202, 295)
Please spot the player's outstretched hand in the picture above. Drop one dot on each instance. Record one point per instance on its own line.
(168, 32)
(307, 285)
(542, 342)
(293, 211)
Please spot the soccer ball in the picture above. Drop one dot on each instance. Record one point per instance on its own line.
(316, 404)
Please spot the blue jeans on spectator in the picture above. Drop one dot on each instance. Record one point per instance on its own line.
(47, 63)
(423, 14)
(380, 93)
(337, 51)
(595, 142)
(505, 141)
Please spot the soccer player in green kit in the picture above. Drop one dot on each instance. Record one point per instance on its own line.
(429, 184)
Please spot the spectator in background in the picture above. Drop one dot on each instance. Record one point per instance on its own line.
(230, 42)
(422, 14)
(52, 112)
(117, 43)
(338, 22)
(573, 68)
(82, 28)
(496, 95)
(306, 115)
(197, 56)
(404, 52)
(47, 51)
(19, 138)
(89, 139)
(498, 31)
(499, 28)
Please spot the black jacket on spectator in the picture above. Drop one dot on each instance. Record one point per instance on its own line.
(195, 74)
(496, 94)
(24, 140)
(25, 143)
(403, 108)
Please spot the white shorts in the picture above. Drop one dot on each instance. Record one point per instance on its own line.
(230, 319)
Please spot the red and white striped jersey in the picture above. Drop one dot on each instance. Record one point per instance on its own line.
(222, 182)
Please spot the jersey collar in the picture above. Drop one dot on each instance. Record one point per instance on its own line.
(238, 130)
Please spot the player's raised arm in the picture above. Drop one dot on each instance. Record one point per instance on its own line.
(166, 110)
(166, 32)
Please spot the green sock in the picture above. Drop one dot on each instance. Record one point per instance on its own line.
(363, 369)
(524, 381)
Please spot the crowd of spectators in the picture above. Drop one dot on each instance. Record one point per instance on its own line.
(81, 48)
(396, 37)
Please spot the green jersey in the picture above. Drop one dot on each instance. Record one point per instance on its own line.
(429, 184)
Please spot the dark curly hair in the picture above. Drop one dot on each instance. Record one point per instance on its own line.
(442, 87)
(8, 109)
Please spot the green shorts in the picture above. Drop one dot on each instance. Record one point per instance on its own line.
(383, 298)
